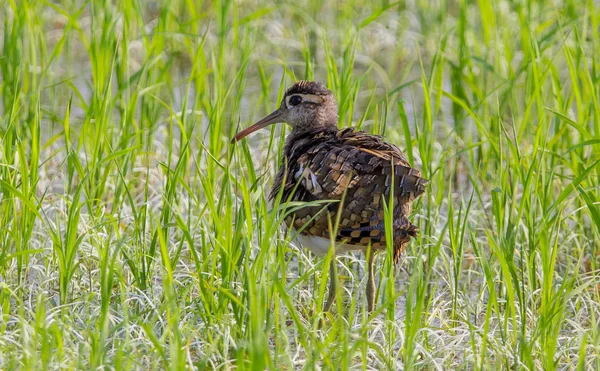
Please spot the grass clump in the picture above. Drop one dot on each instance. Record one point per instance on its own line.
(134, 236)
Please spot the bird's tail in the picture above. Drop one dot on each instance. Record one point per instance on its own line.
(403, 234)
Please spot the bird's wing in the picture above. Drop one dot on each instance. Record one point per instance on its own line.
(353, 160)
(361, 170)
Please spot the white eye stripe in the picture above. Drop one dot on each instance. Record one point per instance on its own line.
(310, 98)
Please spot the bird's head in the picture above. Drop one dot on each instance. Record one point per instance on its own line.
(307, 105)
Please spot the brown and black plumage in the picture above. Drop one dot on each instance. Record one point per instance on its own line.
(354, 172)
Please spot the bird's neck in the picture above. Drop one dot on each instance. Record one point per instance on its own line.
(302, 130)
(299, 138)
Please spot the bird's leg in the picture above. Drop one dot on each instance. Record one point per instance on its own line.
(370, 281)
(332, 285)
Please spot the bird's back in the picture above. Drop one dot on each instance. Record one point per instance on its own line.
(353, 173)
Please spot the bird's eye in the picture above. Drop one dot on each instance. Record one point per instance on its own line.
(295, 100)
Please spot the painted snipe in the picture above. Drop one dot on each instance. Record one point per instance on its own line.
(355, 170)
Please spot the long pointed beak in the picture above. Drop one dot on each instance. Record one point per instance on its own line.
(272, 118)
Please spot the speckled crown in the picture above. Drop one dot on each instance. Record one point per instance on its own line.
(308, 87)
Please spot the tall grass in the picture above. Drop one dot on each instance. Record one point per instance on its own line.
(134, 236)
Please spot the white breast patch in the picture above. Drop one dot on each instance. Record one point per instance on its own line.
(320, 246)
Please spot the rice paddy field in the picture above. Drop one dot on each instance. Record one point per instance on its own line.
(133, 235)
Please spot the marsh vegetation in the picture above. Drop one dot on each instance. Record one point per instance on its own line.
(133, 235)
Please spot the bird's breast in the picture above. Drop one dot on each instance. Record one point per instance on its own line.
(320, 246)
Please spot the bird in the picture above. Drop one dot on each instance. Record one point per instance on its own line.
(345, 176)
